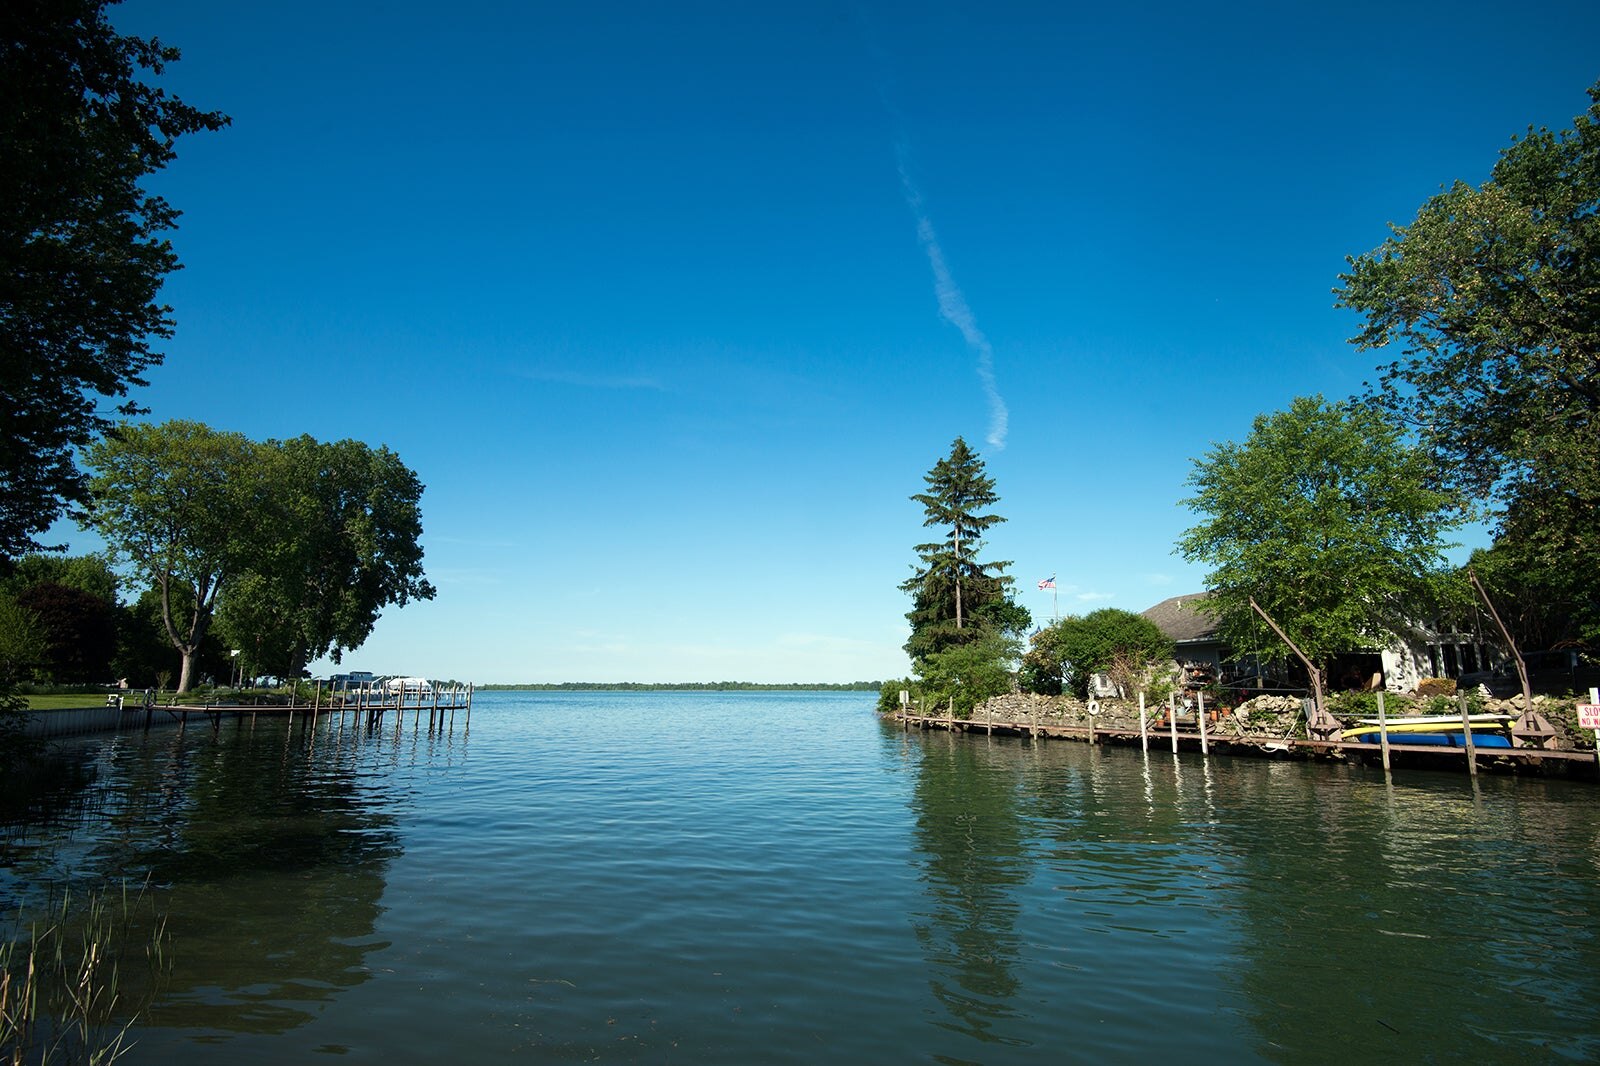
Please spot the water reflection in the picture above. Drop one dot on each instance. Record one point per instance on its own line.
(266, 844)
(1291, 912)
(1368, 912)
(969, 831)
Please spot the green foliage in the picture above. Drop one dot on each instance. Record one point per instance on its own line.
(964, 675)
(79, 631)
(145, 655)
(1110, 641)
(1358, 703)
(179, 501)
(1328, 520)
(1450, 704)
(91, 573)
(956, 597)
(22, 641)
(82, 249)
(347, 524)
(1493, 295)
(889, 694)
(69, 606)
(291, 547)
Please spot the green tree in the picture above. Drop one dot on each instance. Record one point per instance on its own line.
(79, 631)
(82, 251)
(1326, 517)
(1492, 295)
(1065, 654)
(956, 597)
(964, 675)
(73, 598)
(356, 521)
(145, 652)
(1541, 570)
(22, 643)
(92, 573)
(180, 502)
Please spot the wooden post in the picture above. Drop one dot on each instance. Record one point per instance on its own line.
(1383, 729)
(1172, 719)
(1144, 736)
(1093, 709)
(1466, 725)
(1200, 716)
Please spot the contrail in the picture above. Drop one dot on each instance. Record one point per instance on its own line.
(953, 305)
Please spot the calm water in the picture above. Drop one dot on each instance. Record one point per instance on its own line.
(781, 878)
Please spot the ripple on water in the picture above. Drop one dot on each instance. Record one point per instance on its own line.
(777, 877)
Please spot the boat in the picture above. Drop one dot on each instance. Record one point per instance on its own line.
(1442, 730)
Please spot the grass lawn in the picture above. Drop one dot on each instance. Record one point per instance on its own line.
(71, 699)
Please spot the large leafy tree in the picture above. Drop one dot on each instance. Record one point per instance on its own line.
(1327, 518)
(82, 251)
(179, 501)
(957, 597)
(91, 573)
(356, 521)
(79, 631)
(1066, 653)
(291, 548)
(1492, 295)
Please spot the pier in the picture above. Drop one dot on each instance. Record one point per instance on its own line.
(372, 704)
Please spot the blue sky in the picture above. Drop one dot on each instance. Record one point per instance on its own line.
(671, 306)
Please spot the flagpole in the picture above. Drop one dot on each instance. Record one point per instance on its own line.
(1055, 610)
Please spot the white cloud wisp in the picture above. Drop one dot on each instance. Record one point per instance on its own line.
(953, 306)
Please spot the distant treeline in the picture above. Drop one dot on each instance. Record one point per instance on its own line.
(682, 686)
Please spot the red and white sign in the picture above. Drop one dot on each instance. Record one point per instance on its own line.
(1589, 716)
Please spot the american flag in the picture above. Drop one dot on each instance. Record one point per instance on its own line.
(1048, 583)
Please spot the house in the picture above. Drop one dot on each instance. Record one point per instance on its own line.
(1430, 650)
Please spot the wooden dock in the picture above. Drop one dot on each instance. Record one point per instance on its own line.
(1214, 741)
(371, 706)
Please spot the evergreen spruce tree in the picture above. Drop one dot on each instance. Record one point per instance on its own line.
(956, 597)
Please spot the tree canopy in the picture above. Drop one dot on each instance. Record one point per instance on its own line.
(356, 521)
(1065, 654)
(82, 256)
(1492, 294)
(78, 628)
(956, 596)
(1328, 519)
(291, 548)
(177, 500)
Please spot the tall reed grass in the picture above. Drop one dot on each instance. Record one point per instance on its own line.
(75, 979)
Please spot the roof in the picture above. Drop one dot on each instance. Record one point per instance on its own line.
(1183, 620)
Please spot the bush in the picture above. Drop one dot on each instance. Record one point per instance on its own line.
(889, 695)
(1449, 704)
(1357, 705)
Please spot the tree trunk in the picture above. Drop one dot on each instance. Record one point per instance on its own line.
(186, 670)
(958, 579)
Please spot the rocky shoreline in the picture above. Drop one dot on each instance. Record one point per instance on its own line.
(1261, 716)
